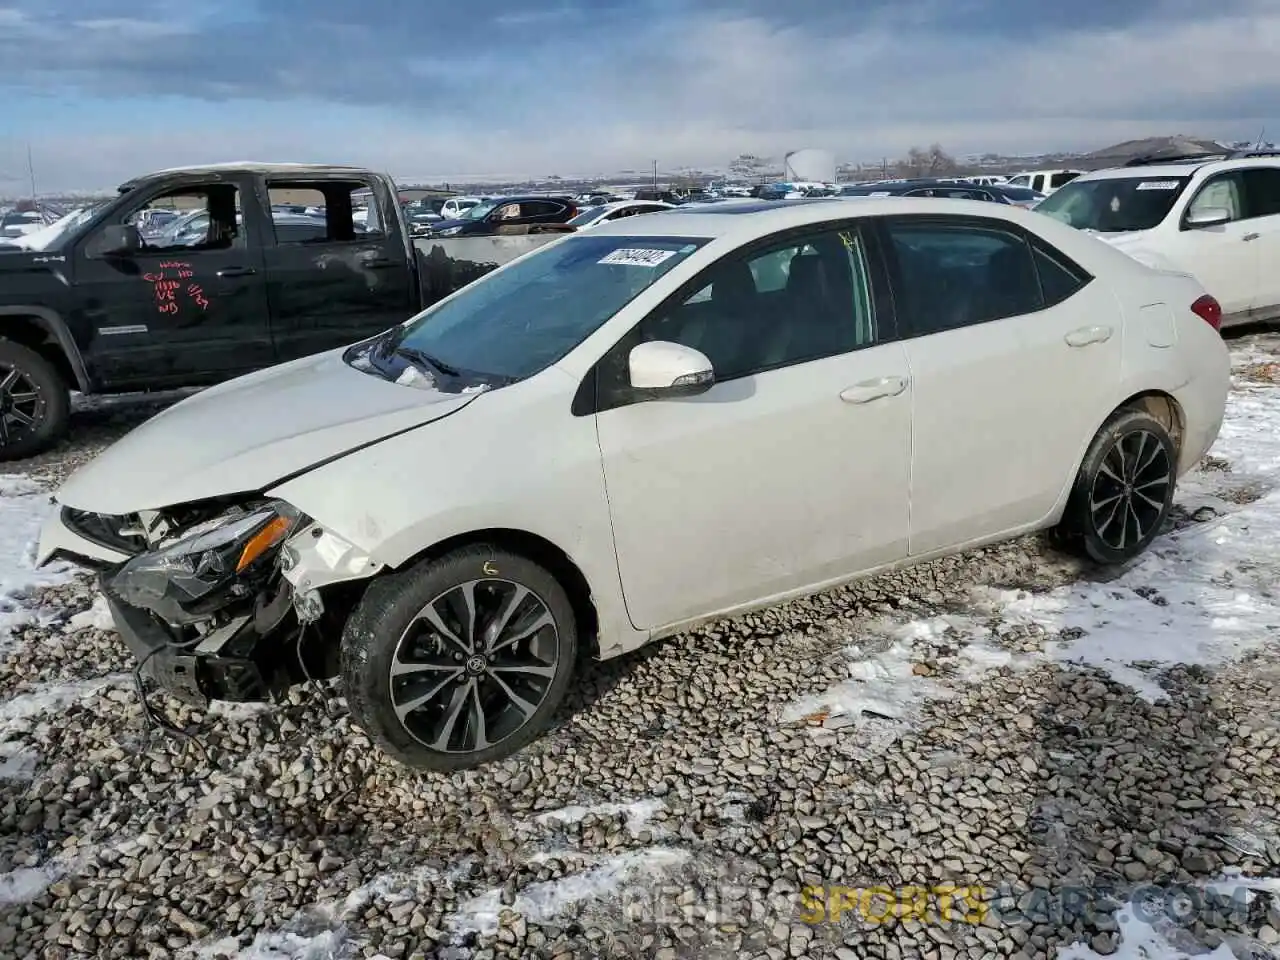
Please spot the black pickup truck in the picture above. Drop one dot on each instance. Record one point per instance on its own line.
(96, 307)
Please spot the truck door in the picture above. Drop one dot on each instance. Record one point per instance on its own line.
(348, 278)
(190, 305)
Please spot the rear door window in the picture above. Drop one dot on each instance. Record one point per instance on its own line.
(1262, 191)
(957, 273)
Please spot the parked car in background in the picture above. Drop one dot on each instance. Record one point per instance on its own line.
(949, 189)
(907, 378)
(1043, 181)
(455, 207)
(193, 228)
(597, 199)
(1216, 219)
(506, 213)
(608, 212)
(153, 221)
(422, 215)
(15, 223)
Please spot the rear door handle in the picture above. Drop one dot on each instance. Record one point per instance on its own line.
(376, 261)
(878, 389)
(1083, 336)
(237, 272)
(1250, 236)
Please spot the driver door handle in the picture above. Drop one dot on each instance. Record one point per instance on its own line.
(1250, 236)
(878, 389)
(237, 272)
(1083, 336)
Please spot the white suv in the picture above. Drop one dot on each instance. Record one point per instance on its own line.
(1043, 181)
(1218, 220)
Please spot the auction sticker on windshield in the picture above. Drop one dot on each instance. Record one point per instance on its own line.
(638, 257)
(1158, 185)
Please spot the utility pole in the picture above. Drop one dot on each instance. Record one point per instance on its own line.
(655, 174)
(31, 172)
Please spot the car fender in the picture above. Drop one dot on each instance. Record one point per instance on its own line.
(56, 327)
(468, 474)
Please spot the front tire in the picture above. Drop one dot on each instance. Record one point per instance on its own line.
(460, 660)
(35, 403)
(1123, 493)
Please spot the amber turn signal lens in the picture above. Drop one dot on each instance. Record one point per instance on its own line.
(263, 540)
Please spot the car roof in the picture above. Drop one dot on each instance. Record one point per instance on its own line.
(521, 197)
(1184, 169)
(742, 222)
(616, 204)
(320, 170)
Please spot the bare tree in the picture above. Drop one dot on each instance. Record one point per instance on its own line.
(932, 161)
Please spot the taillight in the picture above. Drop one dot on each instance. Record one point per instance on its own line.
(1209, 310)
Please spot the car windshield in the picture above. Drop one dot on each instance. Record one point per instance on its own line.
(1114, 204)
(586, 216)
(477, 211)
(510, 324)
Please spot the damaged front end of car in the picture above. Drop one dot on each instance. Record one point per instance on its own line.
(216, 600)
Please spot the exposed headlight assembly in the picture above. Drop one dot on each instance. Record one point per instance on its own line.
(209, 564)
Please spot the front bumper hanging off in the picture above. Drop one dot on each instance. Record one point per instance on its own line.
(249, 648)
(185, 671)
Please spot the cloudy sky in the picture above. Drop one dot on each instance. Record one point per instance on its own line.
(103, 89)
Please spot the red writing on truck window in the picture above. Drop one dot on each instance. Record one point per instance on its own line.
(166, 284)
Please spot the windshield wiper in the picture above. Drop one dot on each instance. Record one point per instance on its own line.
(426, 360)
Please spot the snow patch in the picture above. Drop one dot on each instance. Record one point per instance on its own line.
(50, 697)
(1147, 932)
(277, 946)
(542, 902)
(320, 932)
(638, 814)
(17, 761)
(97, 617)
(413, 377)
(24, 504)
(27, 883)
(887, 690)
(239, 712)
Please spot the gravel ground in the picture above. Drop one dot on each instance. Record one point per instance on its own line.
(686, 797)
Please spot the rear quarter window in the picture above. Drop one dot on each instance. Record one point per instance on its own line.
(1060, 277)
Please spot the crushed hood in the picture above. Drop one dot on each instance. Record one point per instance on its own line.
(247, 434)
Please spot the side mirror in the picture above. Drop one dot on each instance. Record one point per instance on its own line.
(117, 240)
(666, 369)
(1208, 217)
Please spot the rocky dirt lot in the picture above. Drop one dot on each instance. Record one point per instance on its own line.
(1062, 737)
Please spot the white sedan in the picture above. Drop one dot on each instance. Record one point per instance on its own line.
(618, 210)
(631, 430)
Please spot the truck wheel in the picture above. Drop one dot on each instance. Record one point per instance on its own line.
(459, 660)
(35, 403)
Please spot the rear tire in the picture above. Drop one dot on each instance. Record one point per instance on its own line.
(1123, 493)
(460, 660)
(35, 403)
